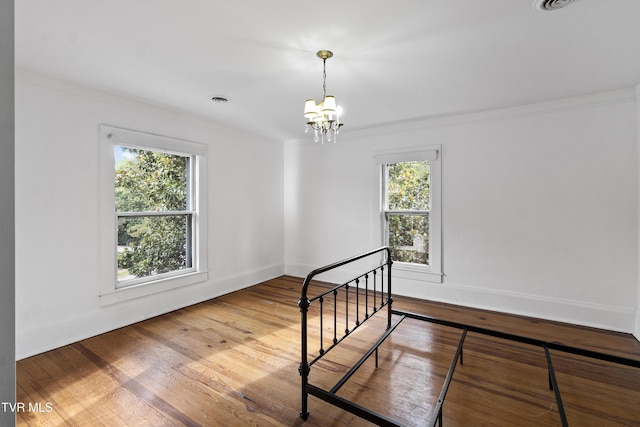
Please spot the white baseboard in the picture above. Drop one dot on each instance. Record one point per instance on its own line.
(614, 318)
(97, 320)
(38, 339)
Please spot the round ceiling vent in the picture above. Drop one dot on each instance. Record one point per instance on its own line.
(552, 4)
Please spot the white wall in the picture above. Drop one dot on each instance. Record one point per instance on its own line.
(539, 207)
(7, 205)
(58, 199)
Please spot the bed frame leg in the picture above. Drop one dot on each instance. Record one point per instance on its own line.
(304, 373)
(304, 366)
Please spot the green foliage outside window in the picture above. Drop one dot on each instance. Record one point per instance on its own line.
(150, 181)
(408, 190)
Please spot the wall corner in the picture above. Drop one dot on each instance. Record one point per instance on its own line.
(637, 324)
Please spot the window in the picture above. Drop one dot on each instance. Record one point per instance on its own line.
(154, 219)
(406, 210)
(154, 212)
(410, 210)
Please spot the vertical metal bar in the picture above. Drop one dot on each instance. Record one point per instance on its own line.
(556, 390)
(346, 311)
(335, 316)
(321, 328)
(375, 276)
(381, 286)
(366, 296)
(358, 302)
(304, 368)
(389, 297)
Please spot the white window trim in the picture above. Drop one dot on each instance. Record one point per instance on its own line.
(433, 153)
(108, 291)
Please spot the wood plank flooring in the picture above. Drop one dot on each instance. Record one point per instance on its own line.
(232, 361)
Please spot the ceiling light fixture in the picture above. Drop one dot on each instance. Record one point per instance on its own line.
(323, 118)
(547, 5)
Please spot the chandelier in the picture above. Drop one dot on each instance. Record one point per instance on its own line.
(323, 118)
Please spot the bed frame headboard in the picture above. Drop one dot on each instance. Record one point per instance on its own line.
(372, 292)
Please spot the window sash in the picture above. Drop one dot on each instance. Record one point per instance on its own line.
(188, 213)
(387, 230)
(190, 201)
(385, 189)
(386, 212)
(189, 246)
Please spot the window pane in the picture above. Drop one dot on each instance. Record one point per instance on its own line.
(150, 180)
(153, 245)
(408, 186)
(409, 238)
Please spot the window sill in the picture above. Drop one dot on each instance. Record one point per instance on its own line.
(149, 288)
(421, 273)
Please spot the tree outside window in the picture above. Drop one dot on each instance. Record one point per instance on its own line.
(406, 210)
(154, 213)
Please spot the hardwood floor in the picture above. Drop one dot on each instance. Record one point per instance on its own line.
(232, 361)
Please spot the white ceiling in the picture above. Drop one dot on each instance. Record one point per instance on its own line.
(392, 60)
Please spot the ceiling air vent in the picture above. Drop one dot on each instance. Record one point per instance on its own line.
(551, 4)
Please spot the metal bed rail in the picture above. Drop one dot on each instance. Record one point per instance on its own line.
(546, 345)
(352, 321)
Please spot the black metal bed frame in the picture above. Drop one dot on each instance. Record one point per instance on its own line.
(372, 284)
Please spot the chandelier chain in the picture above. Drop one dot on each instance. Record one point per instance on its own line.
(324, 78)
